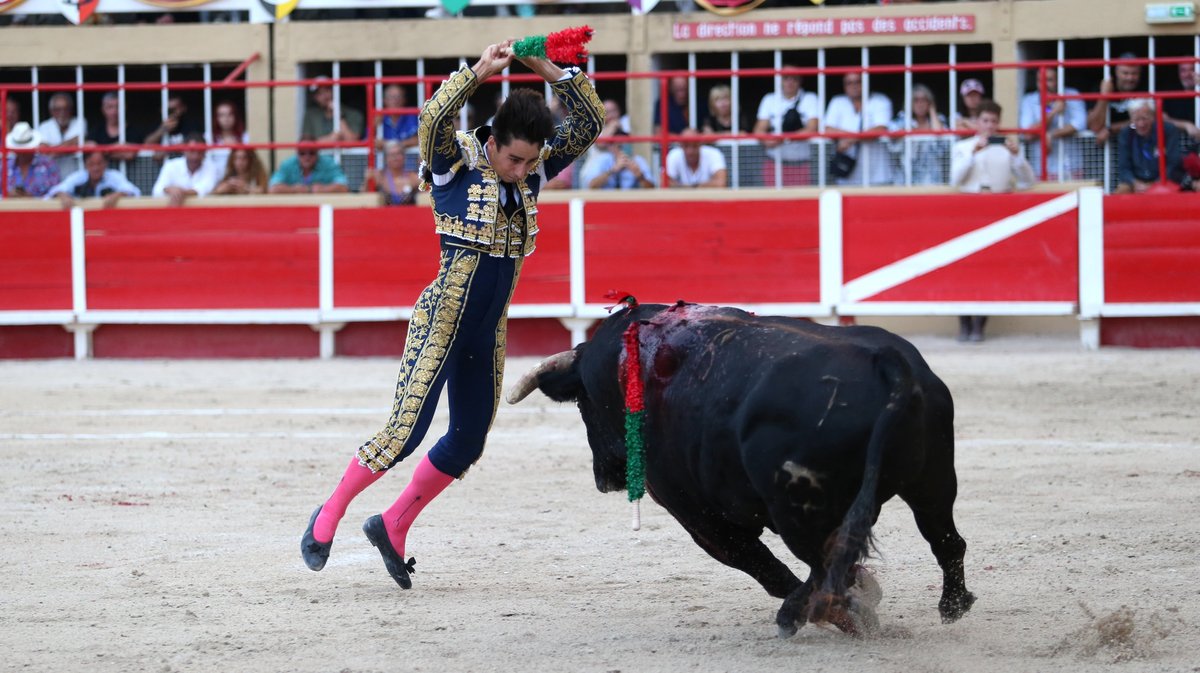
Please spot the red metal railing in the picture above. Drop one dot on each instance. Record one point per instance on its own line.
(663, 138)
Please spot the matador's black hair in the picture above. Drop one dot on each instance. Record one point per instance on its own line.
(523, 115)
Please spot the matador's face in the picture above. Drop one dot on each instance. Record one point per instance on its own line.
(512, 162)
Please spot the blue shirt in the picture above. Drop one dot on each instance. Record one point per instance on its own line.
(325, 172)
(404, 126)
(602, 161)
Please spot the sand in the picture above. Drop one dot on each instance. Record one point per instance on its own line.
(153, 510)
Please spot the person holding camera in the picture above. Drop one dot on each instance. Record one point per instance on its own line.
(987, 161)
(789, 110)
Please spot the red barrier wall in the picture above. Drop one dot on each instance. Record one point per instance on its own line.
(1152, 254)
(1038, 264)
(202, 258)
(712, 252)
(382, 256)
(35, 261)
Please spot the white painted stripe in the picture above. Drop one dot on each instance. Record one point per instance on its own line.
(1091, 252)
(1149, 310)
(830, 245)
(78, 262)
(955, 249)
(325, 257)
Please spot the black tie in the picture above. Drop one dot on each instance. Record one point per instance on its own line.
(510, 203)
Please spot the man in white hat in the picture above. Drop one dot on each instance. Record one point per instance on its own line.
(95, 179)
(29, 174)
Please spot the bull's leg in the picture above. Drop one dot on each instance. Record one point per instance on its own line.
(792, 614)
(742, 549)
(933, 511)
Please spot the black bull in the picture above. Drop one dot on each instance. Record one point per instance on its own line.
(759, 422)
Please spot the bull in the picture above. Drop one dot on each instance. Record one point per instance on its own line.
(759, 422)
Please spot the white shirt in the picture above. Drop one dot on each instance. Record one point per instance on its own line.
(175, 173)
(1075, 115)
(711, 161)
(772, 108)
(53, 135)
(992, 168)
(870, 153)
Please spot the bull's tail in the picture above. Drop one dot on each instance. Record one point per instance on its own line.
(849, 544)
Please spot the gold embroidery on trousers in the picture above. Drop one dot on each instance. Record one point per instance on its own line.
(431, 333)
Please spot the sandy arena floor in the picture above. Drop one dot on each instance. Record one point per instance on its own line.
(153, 511)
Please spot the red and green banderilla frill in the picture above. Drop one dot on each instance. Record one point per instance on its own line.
(564, 46)
(635, 409)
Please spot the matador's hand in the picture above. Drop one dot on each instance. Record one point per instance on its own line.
(494, 60)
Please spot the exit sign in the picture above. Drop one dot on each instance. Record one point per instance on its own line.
(1171, 12)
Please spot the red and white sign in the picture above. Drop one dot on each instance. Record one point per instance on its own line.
(805, 28)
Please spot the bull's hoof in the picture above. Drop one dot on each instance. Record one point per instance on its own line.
(952, 608)
(866, 588)
(864, 621)
(786, 631)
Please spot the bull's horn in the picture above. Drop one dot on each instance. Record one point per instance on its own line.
(528, 382)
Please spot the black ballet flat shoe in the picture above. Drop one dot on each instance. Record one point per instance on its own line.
(399, 570)
(315, 553)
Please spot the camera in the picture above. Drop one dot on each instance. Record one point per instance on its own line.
(996, 140)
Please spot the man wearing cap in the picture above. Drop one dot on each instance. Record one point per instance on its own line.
(29, 173)
(318, 118)
(972, 93)
(93, 180)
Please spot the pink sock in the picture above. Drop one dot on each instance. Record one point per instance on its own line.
(354, 481)
(427, 482)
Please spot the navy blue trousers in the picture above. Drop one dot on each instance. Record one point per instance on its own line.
(456, 338)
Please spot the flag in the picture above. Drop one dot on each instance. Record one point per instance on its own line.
(78, 11)
(642, 6)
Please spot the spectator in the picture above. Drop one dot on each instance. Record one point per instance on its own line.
(308, 173)
(1137, 151)
(848, 113)
(720, 112)
(318, 118)
(227, 129)
(609, 166)
(972, 93)
(927, 154)
(1063, 120)
(244, 174)
(397, 185)
(1182, 111)
(401, 128)
(188, 175)
(695, 165)
(108, 131)
(95, 179)
(175, 128)
(1109, 117)
(677, 107)
(61, 129)
(789, 110)
(987, 162)
(29, 173)
(12, 114)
